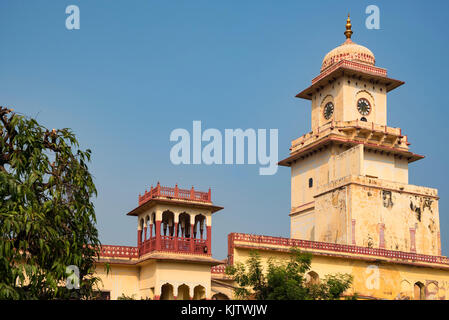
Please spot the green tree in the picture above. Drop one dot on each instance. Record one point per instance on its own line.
(285, 281)
(47, 219)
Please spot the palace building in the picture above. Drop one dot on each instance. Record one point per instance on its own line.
(351, 206)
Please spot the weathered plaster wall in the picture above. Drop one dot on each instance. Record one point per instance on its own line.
(302, 226)
(332, 216)
(400, 215)
(380, 280)
(386, 167)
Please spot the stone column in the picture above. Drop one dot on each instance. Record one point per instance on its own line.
(158, 235)
(176, 237)
(209, 239)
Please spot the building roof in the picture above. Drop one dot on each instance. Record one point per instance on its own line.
(349, 51)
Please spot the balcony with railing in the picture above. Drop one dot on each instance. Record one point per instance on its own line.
(175, 193)
(175, 245)
(158, 244)
(339, 127)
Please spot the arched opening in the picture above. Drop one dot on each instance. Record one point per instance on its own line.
(312, 278)
(184, 225)
(406, 291)
(141, 229)
(167, 292)
(183, 292)
(432, 291)
(199, 293)
(168, 225)
(419, 292)
(153, 225)
(198, 227)
(220, 296)
(146, 232)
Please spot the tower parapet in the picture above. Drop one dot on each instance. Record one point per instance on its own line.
(174, 220)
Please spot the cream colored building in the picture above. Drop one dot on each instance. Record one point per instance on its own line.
(351, 205)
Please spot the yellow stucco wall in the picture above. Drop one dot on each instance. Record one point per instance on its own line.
(145, 280)
(121, 279)
(372, 279)
(344, 96)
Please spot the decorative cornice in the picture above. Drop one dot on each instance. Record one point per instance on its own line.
(241, 240)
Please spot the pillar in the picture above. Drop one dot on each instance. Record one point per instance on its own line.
(209, 239)
(158, 235)
(145, 234)
(192, 239)
(139, 237)
(176, 237)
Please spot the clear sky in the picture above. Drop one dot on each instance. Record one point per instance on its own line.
(136, 70)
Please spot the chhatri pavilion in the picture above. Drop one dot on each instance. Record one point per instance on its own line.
(351, 206)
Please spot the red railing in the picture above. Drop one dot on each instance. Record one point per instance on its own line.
(200, 246)
(175, 244)
(167, 244)
(306, 244)
(220, 269)
(119, 251)
(147, 246)
(352, 65)
(175, 193)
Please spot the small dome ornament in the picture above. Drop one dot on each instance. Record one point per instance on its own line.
(349, 51)
(348, 32)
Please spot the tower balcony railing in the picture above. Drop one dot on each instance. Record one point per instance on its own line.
(175, 193)
(175, 244)
(329, 127)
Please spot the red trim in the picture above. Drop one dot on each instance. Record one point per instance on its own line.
(192, 239)
(381, 235)
(352, 65)
(176, 235)
(412, 240)
(353, 232)
(307, 244)
(209, 239)
(175, 193)
(139, 237)
(158, 235)
(221, 268)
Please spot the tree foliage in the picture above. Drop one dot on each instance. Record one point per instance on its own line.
(285, 281)
(47, 219)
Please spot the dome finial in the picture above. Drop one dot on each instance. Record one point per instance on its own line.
(348, 31)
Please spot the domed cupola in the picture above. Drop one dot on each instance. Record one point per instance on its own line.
(349, 51)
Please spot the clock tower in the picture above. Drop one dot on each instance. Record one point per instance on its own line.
(349, 175)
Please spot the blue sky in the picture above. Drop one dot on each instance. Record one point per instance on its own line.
(136, 70)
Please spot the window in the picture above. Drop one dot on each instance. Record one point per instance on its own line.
(310, 183)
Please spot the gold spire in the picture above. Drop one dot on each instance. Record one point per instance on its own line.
(348, 31)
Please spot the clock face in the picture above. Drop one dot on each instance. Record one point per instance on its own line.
(328, 110)
(363, 106)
